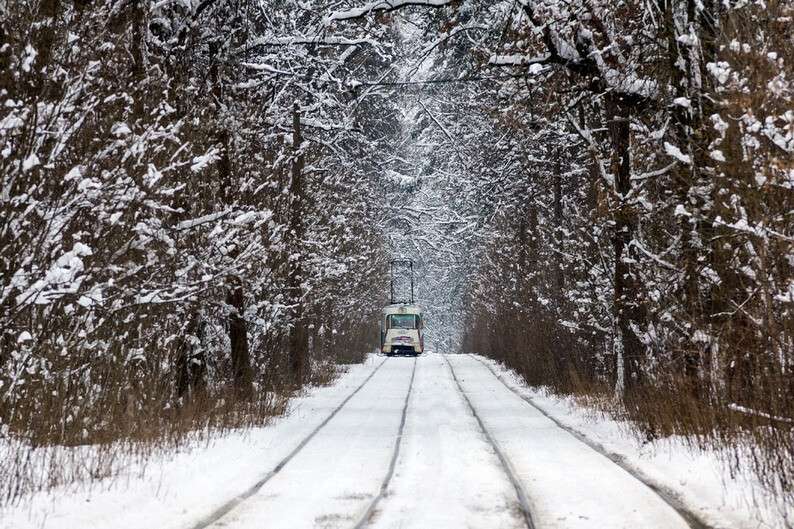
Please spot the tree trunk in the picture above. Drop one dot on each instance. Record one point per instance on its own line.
(238, 338)
(559, 278)
(690, 139)
(138, 57)
(44, 42)
(298, 340)
(629, 313)
(191, 367)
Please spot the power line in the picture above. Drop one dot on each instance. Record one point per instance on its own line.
(354, 84)
(450, 80)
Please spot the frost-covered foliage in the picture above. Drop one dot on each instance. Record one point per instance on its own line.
(626, 183)
(185, 219)
(199, 200)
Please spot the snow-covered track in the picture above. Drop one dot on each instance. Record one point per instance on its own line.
(227, 507)
(366, 517)
(670, 497)
(523, 501)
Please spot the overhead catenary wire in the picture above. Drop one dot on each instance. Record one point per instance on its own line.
(352, 84)
(450, 80)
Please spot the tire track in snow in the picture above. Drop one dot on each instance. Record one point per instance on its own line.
(227, 507)
(523, 500)
(366, 517)
(670, 497)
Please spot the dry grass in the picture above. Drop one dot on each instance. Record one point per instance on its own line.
(30, 466)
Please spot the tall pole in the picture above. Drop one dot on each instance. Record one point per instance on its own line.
(411, 266)
(391, 281)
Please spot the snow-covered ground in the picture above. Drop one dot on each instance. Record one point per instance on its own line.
(331, 482)
(701, 479)
(447, 475)
(569, 485)
(178, 492)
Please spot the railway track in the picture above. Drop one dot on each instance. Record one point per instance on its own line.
(523, 500)
(669, 497)
(365, 518)
(230, 505)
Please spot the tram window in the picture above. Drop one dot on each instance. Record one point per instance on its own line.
(402, 321)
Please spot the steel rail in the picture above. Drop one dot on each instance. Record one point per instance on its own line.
(365, 518)
(227, 507)
(523, 500)
(670, 497)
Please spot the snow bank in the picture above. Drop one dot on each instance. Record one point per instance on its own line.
(723, 496)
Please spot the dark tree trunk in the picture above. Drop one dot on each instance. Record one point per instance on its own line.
(44, 42)
(688, 134)
(137, 48)
(628, 309)
(559, 277)
(242, 375)
(238, 338)
(298, 338)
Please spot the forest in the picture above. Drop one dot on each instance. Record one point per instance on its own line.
(200, 200)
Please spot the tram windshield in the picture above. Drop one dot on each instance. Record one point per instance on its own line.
(403, 321)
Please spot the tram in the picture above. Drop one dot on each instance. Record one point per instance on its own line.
(402, 330)
(402, 323)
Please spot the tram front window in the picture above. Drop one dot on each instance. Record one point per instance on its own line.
(402, 321)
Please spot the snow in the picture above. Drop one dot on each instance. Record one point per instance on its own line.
(30, 58)
(787, 297)
(518, 60)
(749, 411)
(721, 71)
(676, 153)
(333, 479)
(446, 476)
(323, 41)
(569, 485)
(724, 498)
(120, 130)
(259, 66)
(378, 5)
(201, 162)
(176, 491)
(30, 162)
(536, 68)
(73, 174)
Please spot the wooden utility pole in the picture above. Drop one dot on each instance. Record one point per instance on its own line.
(298, 342)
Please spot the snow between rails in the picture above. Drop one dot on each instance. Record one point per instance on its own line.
(523, 501)
(234, 502)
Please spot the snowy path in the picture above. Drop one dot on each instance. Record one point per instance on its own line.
(569, 485)
(448, 475)
(329, 466)
(332, 481)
